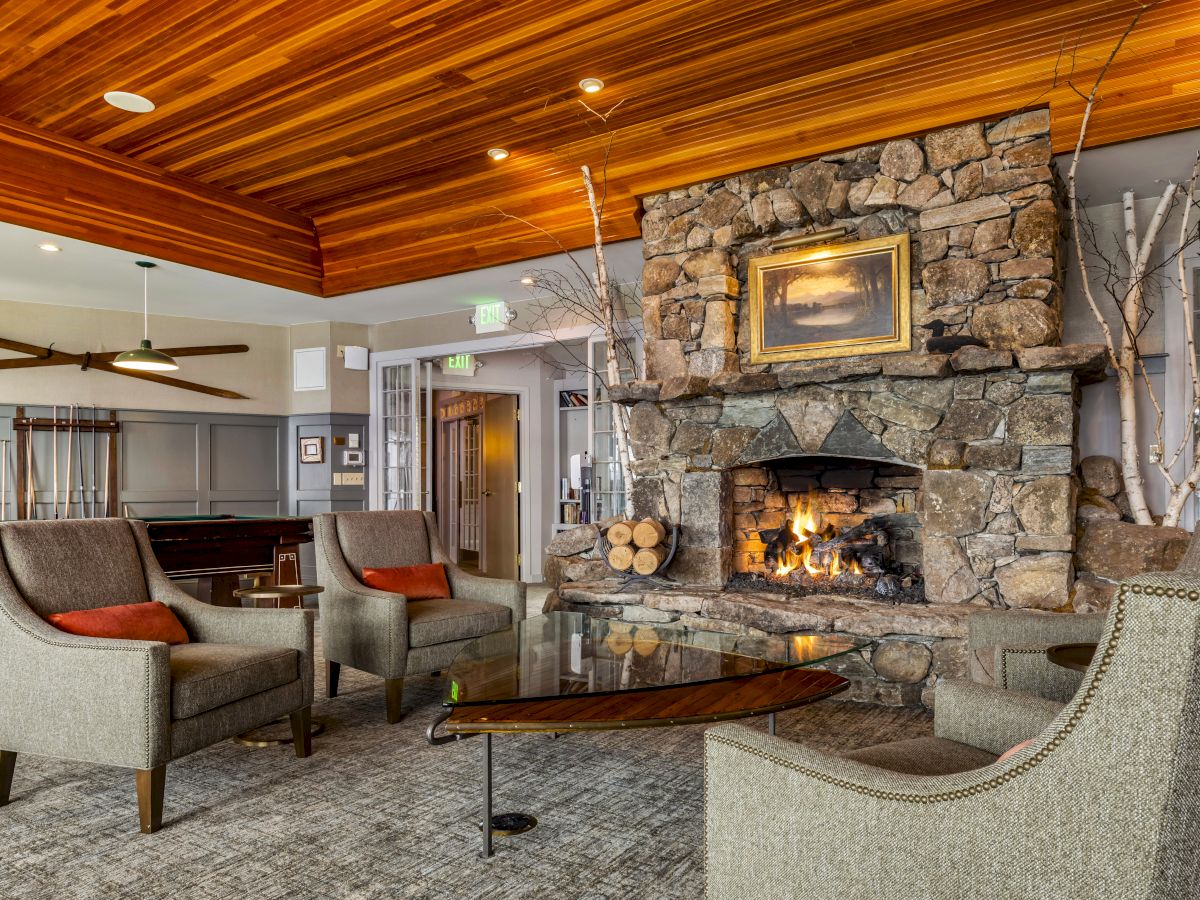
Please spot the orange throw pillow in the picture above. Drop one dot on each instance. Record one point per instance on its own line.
(152, 621)
(423, 582)
(1013, 751)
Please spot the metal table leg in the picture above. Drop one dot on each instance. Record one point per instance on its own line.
(487, 795)
(771, 723)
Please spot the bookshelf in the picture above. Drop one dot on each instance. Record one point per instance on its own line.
(570, 438)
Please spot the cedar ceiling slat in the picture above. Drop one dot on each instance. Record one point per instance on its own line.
(364, 122)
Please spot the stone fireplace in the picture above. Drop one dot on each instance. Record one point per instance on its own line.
(960, 452)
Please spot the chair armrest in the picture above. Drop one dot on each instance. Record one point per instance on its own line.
(91, 699)
(989, 718)
(488, 590)
(1026, 669)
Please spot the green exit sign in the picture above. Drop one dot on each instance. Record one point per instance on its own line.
(459, 364)
(492, 317)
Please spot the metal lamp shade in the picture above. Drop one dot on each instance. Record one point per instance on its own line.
(147, 359)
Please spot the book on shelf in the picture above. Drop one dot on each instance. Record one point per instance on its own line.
(567, 399)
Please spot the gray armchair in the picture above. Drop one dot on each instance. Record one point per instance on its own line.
(1103, 803)
(383, 633)
(136, 704)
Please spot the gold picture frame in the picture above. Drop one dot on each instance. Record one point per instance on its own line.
(829, 301)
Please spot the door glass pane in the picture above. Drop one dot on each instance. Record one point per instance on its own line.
(400, 428)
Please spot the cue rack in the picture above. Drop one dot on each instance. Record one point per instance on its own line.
(82, 467)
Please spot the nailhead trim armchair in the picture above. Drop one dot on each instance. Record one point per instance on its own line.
(135, 704)
(384, 633)
(1103, 803)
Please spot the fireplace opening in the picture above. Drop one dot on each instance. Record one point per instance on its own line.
(816, 524)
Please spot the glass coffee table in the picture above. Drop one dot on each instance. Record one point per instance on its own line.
(565, 672)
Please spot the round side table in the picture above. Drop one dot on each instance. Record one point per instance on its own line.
(279, 593)
(1072, 656)
(277, 733)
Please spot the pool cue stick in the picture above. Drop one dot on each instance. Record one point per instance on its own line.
(92, 504)
(79, 452)
(54, 438)
(107, 451)
(70, 448)
(30, 478)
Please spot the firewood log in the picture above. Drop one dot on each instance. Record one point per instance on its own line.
(648, 532)
(621, 558)
(647, 560)
(620, 533)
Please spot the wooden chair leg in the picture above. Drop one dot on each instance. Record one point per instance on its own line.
(8, 761)
(150, 786)
(332, 671)
(394, 687)
(302, 731)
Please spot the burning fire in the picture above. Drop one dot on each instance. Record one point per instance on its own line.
(809, 530)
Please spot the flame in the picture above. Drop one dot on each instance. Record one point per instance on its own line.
(808, 528)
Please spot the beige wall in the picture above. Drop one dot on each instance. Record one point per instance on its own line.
(262, 374)
(346, 391)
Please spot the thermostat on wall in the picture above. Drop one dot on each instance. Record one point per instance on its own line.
(352, 457)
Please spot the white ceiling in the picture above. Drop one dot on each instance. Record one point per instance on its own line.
(89, 275)
(97, 277)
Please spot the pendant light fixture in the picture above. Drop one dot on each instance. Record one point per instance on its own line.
(145, 357)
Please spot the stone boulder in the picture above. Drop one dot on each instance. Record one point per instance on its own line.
(649, 431)
(955, 281)
(702, 263)
(1090, 594)
(948, 574)
(1102, 474)
(1119, 550)
(956, 502)
(659, 274)
(813, 184)
(1035, 231)
(903, 661)
(902, 160)
(1015, 324)
(1036, 582)
(1046, 505)
(573, 541)
(955, 146)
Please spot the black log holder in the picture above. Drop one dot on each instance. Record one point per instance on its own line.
(657, 578)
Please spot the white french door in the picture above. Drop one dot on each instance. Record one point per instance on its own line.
(402, 435)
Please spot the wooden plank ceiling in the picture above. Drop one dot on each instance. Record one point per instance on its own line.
(335, 147)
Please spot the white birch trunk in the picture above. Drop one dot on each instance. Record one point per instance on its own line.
(609, 319)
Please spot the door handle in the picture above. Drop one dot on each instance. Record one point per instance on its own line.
(488, 493)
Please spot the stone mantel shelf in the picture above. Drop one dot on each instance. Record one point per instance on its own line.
(1089, 361)
(776, 613)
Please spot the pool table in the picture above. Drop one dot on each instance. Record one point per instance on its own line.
(225, 547)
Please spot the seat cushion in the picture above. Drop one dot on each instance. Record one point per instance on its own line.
(923, 756)
(205, 676)
(438, 621)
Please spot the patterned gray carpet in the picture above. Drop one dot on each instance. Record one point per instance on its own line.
(378, 813)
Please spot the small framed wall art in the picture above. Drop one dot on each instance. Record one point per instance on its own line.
(848, 299)
(312, 449)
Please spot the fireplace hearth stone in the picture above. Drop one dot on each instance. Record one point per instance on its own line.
(915, 644)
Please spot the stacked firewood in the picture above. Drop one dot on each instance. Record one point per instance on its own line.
(637, 546)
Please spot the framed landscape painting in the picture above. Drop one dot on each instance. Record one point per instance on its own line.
(847, 299)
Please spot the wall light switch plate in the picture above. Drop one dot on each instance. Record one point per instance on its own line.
(353, 479)
(337, 478)
(352, 439)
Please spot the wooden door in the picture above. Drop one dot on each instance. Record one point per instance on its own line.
(501, 520)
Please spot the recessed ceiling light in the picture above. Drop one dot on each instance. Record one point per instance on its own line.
(134, 103)
(526, 279)
(498, 153)
(50, 248)
(591, 85)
